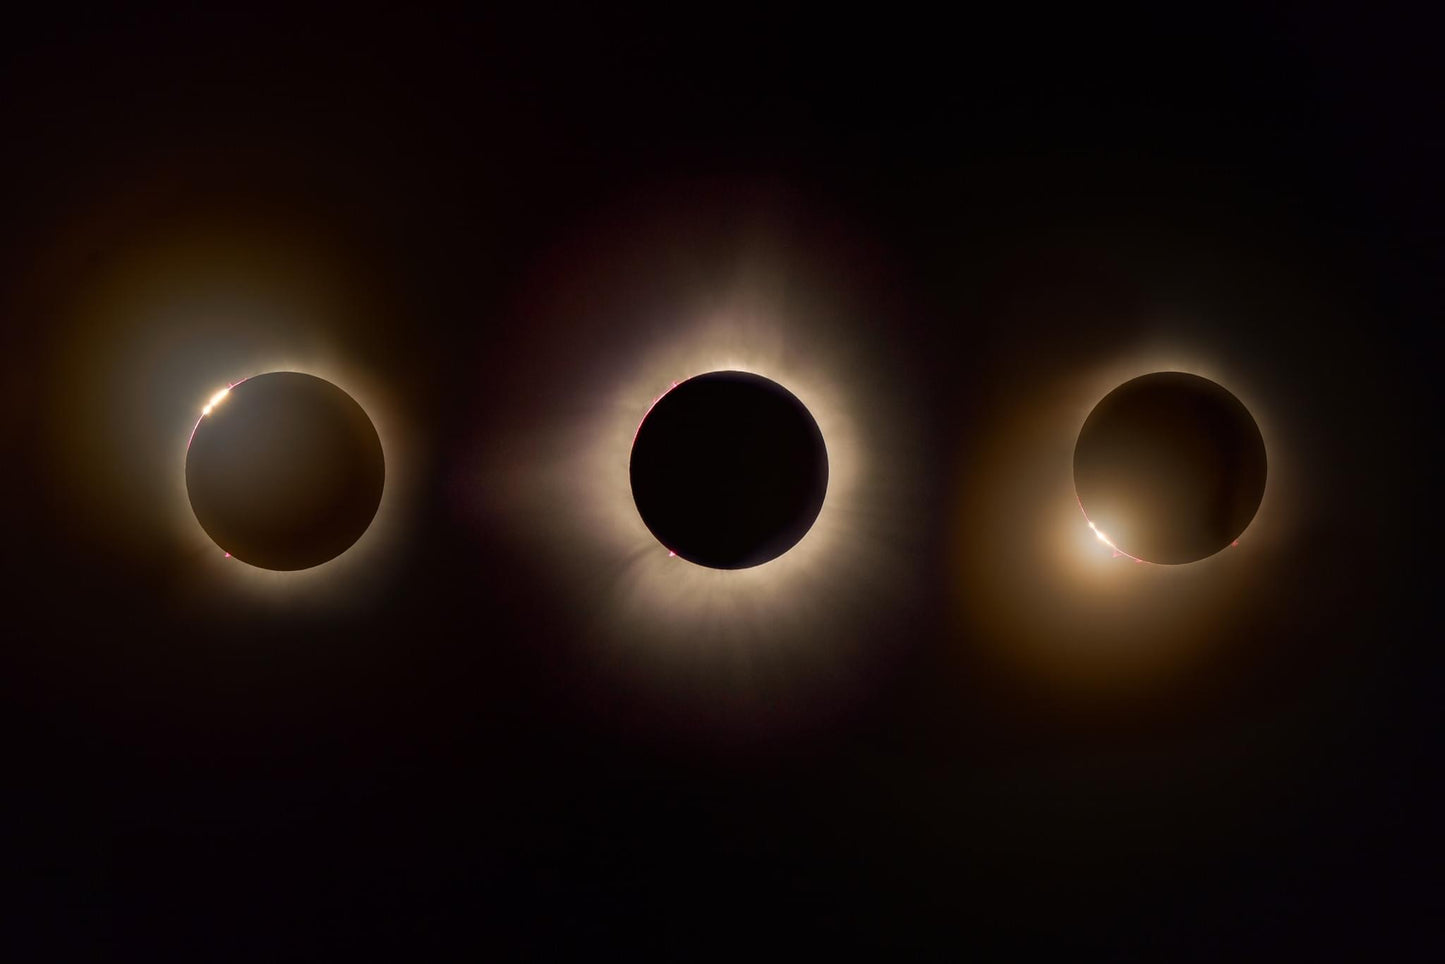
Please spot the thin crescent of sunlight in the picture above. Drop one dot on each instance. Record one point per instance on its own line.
(217, 399)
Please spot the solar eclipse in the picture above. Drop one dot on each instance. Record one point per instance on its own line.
(941, 712)
(729, 470)
(284, 471)
(1169, 468)
(756, 635)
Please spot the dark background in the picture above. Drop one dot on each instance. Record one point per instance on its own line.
(420, 777)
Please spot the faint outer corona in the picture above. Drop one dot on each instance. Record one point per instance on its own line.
(729, 470)
(1169, 468)
(284, 471)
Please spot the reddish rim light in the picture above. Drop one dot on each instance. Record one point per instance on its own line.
(650, 407)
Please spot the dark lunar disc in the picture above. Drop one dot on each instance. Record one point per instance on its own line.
(729, 470)
(285, 472)
(1170, 467)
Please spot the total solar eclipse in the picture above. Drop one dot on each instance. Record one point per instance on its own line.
(729, 470)
(284, 471)
(1169, 468)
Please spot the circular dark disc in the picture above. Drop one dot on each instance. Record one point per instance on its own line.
(729, 470)
(1170, 467)
(285, 472)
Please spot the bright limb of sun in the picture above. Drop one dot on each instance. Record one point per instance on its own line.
(216, 399)
(1099, 534)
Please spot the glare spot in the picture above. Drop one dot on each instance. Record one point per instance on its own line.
(216, 399)
(1099, 534)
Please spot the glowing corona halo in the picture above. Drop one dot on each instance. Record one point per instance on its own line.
(1053, 598)
(187, 307)
(751, 646)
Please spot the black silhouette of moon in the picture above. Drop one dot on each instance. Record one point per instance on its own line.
(1170, 468)
(285, 471)
(729, 470)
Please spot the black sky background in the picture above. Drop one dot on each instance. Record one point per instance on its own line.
(432, 774)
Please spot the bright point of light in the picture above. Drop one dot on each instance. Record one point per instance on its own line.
(1099, 534)
(216, 399)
